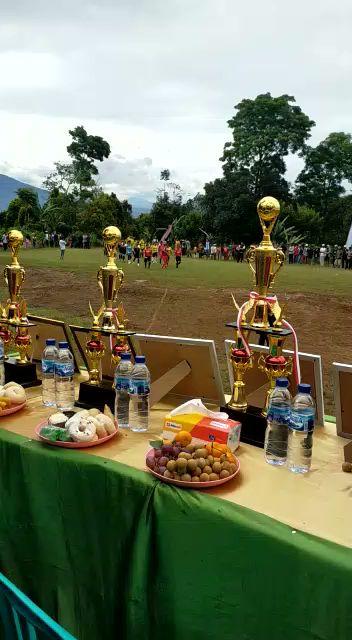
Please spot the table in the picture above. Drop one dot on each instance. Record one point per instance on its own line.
(110, 552)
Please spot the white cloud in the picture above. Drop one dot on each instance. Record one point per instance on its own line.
(159, 79)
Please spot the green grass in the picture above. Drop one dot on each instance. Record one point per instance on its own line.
(193, 272)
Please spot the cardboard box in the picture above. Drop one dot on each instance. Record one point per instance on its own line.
(203, 429)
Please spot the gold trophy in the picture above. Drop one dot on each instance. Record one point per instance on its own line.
(264, 318)
(110, 321)
(14, 323)
(241, 362)
(110, 279)
(264, 261)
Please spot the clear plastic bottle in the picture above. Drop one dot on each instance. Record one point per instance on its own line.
(2, 365)
(64, 370)
(49, 358)
(122, 386)
(276, 435)
(139, 395)
(300, 442)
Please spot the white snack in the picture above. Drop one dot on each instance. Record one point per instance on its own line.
(16, 394)
(93, 412)
(82, 430)
(106, 422)
(57, 418)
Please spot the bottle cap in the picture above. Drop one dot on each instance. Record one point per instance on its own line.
(282, 382)
(126, 355)
(304, 388)
(63, 345)
(50, 342)
(139, 360)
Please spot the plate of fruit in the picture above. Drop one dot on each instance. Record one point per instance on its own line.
(200, 465)
(77, 430)
(12, 398)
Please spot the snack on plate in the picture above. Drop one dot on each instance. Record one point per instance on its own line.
(83, 426)
(192, 463)
(11, 395)
(58, 420)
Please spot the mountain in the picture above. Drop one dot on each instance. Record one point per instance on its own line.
(9, 186)
(140, 205)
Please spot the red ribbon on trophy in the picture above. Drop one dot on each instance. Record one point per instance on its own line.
(271, 301)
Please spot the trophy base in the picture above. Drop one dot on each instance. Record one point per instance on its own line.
(253, 424)
(96, 396)
(23, 374)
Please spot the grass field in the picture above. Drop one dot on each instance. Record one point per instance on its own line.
(194, 300)
(193, 272)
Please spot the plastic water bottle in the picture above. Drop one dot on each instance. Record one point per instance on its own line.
(276, 435)
(64, 370)
(49, 358)
(139, 395)
(122, 386)
(2, 366)
(300, 442)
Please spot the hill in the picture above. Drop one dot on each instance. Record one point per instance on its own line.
(9, 187)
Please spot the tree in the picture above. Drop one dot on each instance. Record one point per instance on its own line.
(24, 210)
(188, 227)
(61, 208)
(305, 221)
(167, 206)
(104, 210)
(264, 131)
(62, 179)
(326, 167)
(85, 150)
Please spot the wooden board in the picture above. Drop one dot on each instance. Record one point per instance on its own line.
(342, 378)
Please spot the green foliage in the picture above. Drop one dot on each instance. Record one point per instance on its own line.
(305, 222)
(104, 210)
(188, 226)
(24, 210)
(264, 131)
(85, 150)
(326, 166)
(283, 234)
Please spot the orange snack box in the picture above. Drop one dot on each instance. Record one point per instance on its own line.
(203, 429)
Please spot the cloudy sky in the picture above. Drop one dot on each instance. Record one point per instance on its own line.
(158, 79)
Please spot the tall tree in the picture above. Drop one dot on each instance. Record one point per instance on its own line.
(264, 131)
(320, 183)
(104, 210)
(85, 150)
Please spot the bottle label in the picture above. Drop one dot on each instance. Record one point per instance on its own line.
(48, 366)
(279, 414)
(302, 421)
(122, 383)
(139, 387)
(1, 349)
(64, 369)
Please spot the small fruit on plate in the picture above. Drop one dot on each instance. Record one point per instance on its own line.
(183, 437)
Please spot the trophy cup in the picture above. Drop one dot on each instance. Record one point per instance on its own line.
(261, 314)
(110, 321)
(14, 323)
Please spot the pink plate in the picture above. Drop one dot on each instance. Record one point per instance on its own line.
(14, 409)
(71, 445)
(193, 485)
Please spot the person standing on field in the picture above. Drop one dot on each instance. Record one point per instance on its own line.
(147, 254)
(323, 253)
(62, 245)
(178, 253)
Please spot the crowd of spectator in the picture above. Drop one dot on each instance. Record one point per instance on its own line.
(325, 255)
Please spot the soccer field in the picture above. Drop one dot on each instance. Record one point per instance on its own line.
(193, 272)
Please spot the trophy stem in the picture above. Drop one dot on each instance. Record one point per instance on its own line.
(95, 350)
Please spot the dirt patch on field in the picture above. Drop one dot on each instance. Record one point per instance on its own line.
(323, 324)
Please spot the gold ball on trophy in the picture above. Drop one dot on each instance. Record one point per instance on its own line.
(15, 238)
(111, 234)
(268, 208)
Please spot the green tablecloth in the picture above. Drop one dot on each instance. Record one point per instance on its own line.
(110, 553)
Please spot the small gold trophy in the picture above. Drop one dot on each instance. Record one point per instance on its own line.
(265, 319)
(14, 324)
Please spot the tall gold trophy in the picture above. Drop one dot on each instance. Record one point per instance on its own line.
(14, 324)
(110, 321)
(261, 314)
